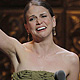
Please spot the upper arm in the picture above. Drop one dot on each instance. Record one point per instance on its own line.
(12, 47)
(74, 68)
(6, 43)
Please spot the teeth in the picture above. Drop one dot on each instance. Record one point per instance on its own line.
(41, 28)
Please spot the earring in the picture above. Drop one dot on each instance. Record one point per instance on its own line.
(54, 31)
(28, 38)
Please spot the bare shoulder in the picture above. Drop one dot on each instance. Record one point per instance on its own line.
(27, 44)
(71, 57)
(68, 56)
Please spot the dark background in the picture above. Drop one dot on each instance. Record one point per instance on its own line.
(67, 14)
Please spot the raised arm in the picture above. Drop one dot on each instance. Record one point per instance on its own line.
(12, 47)
(6, 43)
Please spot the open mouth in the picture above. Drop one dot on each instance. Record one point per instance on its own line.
(41, 28)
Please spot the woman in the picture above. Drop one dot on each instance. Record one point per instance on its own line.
(40, 58)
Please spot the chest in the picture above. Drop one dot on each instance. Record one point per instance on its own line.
(49, 63)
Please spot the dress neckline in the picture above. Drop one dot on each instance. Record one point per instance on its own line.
(33, 71)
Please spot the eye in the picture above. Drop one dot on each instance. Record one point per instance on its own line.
(43, 16)
(31, 19)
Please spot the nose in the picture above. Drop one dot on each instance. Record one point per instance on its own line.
(39, 21)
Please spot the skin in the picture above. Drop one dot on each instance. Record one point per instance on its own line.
(41, 53)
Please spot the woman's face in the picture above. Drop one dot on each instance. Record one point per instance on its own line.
(39, 21)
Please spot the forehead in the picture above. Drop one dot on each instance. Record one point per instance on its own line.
(33, 10)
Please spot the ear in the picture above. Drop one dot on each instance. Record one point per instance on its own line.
(26, 27)
(54, 21)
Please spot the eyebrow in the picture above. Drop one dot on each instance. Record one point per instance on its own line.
(32, 16)
(42, 14)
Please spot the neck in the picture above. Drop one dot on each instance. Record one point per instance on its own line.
(44, 47)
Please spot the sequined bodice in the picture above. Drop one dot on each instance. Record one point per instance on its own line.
(33, 75)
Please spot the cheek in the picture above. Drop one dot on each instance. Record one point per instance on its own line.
(31, 26)
(48, 21)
